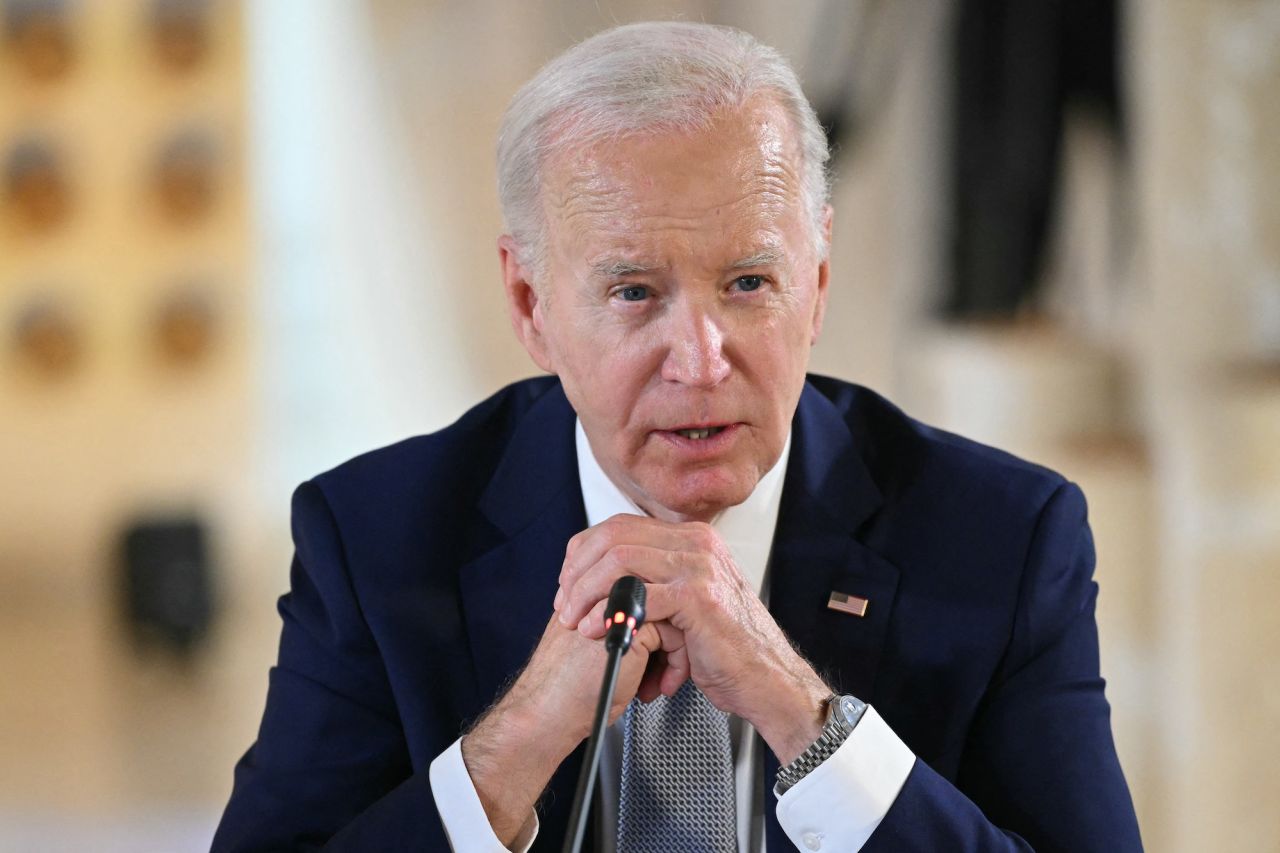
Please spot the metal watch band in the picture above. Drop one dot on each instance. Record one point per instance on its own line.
(834, 733)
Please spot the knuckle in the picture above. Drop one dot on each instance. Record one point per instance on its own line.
(705, 535)
(613, 557)
(622, 556)
(706, 592)
(570, 552)
(683, 594)
(718, 596)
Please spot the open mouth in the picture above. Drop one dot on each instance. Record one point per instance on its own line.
(701, 433)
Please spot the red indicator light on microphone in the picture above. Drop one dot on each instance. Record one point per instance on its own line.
(619, 617)
(631, 623)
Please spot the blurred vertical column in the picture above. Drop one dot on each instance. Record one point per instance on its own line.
(1207, 120)
(1050, 382)
(373, 129)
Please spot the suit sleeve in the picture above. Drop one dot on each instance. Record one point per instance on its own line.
(330, 769)
(1040, 770)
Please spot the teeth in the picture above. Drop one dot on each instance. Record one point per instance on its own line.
(699, 433)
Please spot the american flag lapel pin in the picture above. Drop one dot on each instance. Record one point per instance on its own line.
(852, 604)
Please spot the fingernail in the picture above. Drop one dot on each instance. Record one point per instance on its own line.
(564, 618)
(559, 598)
(582, 623)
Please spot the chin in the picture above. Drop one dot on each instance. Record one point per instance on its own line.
(700, 498)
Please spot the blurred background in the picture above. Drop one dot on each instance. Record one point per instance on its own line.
(242, 242)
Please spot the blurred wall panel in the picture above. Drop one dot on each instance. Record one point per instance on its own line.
(125, 428)
(1208, 167)
(154, 412)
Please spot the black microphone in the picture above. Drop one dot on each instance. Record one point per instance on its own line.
(623, 616)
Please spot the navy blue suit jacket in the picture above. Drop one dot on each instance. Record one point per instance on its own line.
(424, 575)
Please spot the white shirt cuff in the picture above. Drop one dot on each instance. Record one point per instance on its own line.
(842, 800)
(461, 812)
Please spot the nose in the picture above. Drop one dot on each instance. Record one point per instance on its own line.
(695, 349)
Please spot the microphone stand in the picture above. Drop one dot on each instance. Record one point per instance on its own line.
(591, 761)
(626, 603)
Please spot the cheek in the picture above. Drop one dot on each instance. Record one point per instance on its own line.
(779, 344)
(802, 322)
(606, 375)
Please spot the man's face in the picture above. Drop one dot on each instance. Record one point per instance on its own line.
(683, 294)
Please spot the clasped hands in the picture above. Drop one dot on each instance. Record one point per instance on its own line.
(703, 622)
(710, 624)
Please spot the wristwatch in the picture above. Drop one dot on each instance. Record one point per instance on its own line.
(843, 713)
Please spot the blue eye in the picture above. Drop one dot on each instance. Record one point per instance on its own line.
(748, 283)
(634, 293)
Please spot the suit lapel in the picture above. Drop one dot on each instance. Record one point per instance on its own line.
(531, 507)
(827, 497)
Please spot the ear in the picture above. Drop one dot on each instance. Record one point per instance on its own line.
(824, 277)
(523, 304)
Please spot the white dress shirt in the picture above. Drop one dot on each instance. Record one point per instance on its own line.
(836, 807)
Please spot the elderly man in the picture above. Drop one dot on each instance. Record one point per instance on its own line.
(863, 633)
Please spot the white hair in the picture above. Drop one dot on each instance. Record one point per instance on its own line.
(645, 78)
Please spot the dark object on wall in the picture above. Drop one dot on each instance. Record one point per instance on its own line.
(38, 34)
(180, 33)
(185, 326)
(1018, 67)
(48, 338)
(166, 583)
(186, 177)
(36, 185)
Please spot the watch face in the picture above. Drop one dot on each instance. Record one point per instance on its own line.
(848, 710)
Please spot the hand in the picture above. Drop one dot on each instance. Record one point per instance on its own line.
(517, 745)
(560, 684)
(713, 627)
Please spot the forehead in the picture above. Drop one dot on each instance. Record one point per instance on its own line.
(735, 182)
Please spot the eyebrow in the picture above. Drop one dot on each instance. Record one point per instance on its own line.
(762, 258)
(611, 268)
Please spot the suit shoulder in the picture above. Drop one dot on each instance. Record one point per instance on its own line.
(452, 462)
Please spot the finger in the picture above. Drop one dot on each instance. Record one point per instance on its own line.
(675, 657)
(648, 639)
(677, 602)
(652, 565)
(593, 626)
(677, 671)
(581, 593)
(588, 546)
(636, 664)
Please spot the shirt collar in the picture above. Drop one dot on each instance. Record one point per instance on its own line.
(747, 528)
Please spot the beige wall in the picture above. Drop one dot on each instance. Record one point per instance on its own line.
(124, 431)
(1205, 80)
